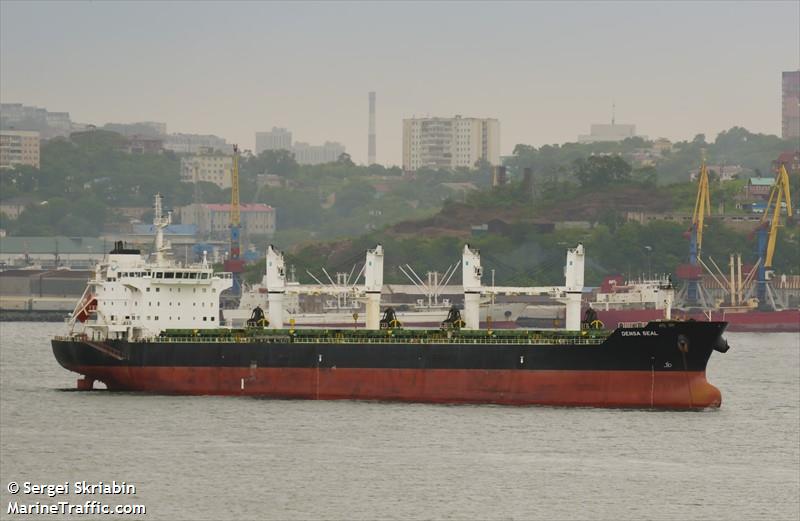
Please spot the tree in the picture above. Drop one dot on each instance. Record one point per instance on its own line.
(275, 162)
(344, 159)
(597, 171)
(646, 175)
(353, 196)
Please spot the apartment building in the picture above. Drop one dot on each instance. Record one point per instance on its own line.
(208, 166)
(447, 143)
(275, 139)
(195, 143)
(19, 147)
(213, 220)
(16, 116)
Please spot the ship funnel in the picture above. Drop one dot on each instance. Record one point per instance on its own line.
(276, 285)
(471, 272)
(373, 285)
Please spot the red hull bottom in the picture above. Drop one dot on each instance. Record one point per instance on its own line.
(673, 390)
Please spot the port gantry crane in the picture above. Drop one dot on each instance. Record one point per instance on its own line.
(234, 263)
(691, 271)
(767, 231)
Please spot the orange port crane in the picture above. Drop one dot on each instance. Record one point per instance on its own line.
(778, 197)
(767, 231)
(702, 207)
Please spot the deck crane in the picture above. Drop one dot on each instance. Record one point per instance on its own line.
(235, 264)
(767, 231)
(702, 208)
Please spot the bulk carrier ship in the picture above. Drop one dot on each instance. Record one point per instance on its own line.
(153, 326)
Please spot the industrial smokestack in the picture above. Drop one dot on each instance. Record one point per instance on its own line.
(499, 176)
(371, 144)
(527, 183)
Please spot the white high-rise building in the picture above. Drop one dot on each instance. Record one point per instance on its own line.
(450, 142)
(275, 139)
(306, 154)
(605, 132)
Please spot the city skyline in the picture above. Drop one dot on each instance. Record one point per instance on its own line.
(545, 71)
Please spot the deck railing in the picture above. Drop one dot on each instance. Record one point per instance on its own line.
(382, 340)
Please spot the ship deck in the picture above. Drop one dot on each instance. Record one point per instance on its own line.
(388, 336)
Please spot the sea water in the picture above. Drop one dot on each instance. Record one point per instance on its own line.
(221, 458)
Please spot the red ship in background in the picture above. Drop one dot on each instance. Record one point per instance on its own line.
(749, 297)
(617, 302)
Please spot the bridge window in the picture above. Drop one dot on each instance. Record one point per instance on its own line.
(169, 275)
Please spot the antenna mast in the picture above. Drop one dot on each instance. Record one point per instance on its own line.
(613, 112)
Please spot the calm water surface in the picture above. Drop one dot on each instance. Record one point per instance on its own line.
(243, 458)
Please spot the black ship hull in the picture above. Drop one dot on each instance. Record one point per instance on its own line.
(660, 365)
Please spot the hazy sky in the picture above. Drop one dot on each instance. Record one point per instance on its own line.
(545, 70)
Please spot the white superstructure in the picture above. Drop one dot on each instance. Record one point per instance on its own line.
(132, 297)
(658, 293)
